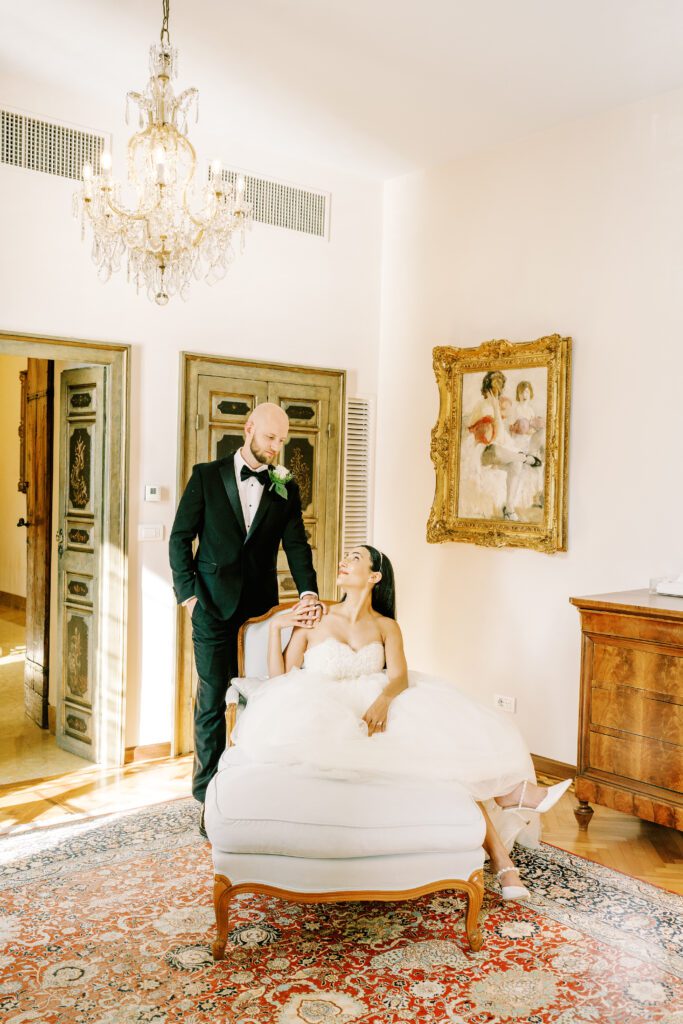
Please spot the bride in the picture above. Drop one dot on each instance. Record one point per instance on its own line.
(341, 700)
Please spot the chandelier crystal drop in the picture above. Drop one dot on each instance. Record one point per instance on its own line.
(173, 231)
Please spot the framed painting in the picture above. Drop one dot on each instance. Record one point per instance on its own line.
(500, 444)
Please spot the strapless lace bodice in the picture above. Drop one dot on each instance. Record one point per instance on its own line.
(337, 660)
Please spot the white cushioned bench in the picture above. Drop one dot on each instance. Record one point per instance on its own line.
(314, 838)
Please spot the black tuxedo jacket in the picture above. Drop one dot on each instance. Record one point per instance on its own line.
(232, 567)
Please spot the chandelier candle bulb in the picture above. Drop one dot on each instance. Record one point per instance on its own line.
(159, 159)
(87, 182)
(176, 229)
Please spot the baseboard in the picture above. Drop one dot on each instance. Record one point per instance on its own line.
(555, 769)
(12, 600)
(148, 752)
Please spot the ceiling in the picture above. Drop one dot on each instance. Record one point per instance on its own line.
(374, 87)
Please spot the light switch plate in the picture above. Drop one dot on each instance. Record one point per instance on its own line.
(150, 531)
(152, 492)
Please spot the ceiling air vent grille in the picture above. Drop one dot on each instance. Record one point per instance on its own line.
(47, 146)
(284, 206)
(357, 477)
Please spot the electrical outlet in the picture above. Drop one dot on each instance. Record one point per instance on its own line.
(504, 703)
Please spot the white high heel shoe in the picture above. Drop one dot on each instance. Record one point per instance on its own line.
(549, 800)
(511, 892)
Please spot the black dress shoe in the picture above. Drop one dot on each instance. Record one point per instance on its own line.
(202, 828)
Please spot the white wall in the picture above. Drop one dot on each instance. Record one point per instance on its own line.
(12, 501)
(291, 298)
(577, 230)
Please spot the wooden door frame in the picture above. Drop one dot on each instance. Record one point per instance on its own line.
(114, 602)
(186, 428)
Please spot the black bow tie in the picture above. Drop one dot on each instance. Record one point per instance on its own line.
(260, 474)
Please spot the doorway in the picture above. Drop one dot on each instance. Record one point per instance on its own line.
(63, 565)
(218, 396)
(28, 746)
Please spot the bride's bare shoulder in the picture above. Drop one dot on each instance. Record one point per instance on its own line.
(389, 628)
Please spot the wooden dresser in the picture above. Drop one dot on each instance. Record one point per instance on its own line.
(631, 710)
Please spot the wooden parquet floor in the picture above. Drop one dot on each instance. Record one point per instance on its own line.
(620, 841)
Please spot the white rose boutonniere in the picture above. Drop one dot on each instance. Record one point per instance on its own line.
(279, 478)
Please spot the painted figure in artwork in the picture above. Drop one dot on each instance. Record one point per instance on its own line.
(502, 448)
(528, 432)
(488, 425)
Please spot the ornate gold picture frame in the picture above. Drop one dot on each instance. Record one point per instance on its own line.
(500, 444)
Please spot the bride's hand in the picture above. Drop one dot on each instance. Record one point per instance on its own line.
(376, 716)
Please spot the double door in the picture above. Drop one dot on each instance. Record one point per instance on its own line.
(219, 397)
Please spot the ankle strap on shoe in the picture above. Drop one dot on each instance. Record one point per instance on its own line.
(504, 871)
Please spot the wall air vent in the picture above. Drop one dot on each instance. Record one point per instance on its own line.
(48, 146)
(357, 473)
(285, 206)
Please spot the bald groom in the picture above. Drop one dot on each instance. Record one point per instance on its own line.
(240, 521)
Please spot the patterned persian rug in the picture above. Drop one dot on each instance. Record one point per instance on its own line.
(110, 922)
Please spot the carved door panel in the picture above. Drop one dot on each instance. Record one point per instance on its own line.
(313, 431)
(37, 483)
(223, 405)
(81, 480)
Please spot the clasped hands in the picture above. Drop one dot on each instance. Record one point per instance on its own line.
(306, 613)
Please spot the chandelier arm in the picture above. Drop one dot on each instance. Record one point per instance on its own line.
(129, 214)
(197, 221)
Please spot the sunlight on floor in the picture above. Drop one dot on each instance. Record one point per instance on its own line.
(26, 750)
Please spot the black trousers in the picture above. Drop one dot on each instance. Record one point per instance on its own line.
(215, 655)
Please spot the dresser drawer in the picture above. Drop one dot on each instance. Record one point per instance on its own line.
(638, 667)
(636, 757)
(631, 627)
(636, 711)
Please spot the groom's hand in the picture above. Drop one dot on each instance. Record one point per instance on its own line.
(190, 605)
(312, 608)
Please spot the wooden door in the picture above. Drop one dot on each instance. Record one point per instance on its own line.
(312, 457)
(81, 487)
(219, 395)
(223, 406)
(37, 440)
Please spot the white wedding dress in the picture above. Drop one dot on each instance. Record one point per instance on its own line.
(312, 718)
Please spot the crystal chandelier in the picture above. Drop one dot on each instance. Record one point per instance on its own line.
(173, 232)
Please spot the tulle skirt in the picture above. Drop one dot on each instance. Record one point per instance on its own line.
(434, 731)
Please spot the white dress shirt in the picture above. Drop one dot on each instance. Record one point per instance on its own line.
(250, 490)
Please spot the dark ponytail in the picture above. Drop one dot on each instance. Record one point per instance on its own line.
(384, 592)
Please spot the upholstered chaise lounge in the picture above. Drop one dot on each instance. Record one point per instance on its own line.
(284, 832)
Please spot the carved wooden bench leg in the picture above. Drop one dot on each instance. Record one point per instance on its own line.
(222, 890)
(475, 898)
(583, 814)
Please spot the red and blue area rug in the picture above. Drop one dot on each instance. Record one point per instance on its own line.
(110, 922)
